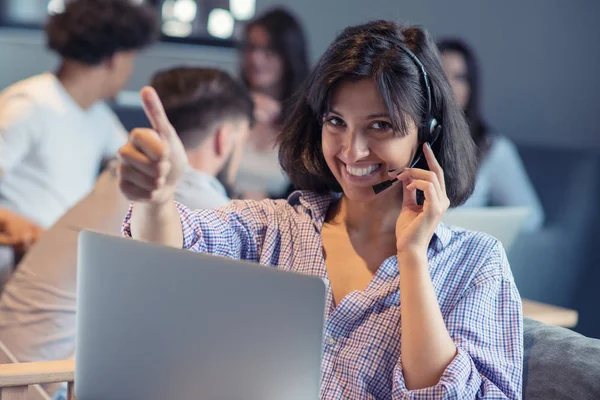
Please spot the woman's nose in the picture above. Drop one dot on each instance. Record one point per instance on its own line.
(355, 147)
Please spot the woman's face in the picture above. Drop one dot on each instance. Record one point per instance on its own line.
(455, 68)
(262, 66)
(359, 144)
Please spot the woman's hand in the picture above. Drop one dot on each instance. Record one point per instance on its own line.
(416, 224)
(151, 164)
(153, 160)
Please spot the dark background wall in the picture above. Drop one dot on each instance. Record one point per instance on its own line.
(540, 57)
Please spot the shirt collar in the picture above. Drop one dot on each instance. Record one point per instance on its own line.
(199, 179)
(318, 204)
(442, 236)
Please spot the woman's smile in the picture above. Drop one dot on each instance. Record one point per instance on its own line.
(361, 173)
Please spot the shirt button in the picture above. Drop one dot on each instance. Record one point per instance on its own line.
(331, 340)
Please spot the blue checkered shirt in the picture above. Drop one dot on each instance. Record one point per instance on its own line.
(361, 353)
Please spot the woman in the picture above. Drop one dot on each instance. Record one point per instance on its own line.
(274, 64)
(416, 309)
(501, 179)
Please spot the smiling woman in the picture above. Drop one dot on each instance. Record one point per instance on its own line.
(403, 103)
(416, 309)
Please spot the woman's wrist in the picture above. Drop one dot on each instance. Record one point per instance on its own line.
(412, 258)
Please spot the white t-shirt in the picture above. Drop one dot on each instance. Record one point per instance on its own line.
(51, 149)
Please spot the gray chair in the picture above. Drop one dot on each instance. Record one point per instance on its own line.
(548, 265)
(559, 364)
(556, 265)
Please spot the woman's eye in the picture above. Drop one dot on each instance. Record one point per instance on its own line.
(381, 125)
(334, 121)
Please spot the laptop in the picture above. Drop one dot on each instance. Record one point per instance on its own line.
(503, 223)
(157, 323)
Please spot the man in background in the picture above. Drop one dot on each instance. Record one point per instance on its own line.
(55, 130)
(212, 115)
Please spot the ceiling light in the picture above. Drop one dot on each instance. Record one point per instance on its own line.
(185, 10)
(242, 10)
(220, 23)
(56, 7)
(177, 29)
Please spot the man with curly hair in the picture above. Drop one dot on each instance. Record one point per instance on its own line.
(55, 129)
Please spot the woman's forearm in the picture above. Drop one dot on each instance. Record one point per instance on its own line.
(427, 348)
(159, 224)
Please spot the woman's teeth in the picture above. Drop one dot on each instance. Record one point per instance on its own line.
(362, 171)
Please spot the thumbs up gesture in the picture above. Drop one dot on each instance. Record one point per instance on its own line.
(153, 160)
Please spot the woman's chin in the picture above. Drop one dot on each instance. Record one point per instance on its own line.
(361, 194)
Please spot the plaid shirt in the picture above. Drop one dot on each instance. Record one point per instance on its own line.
(361, 352)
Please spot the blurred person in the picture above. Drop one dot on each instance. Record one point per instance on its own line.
(212, 114)
(415, 309)
(274, 64)
(55, 129)
(502, 179)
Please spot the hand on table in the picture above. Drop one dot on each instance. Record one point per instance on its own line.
(18, 232)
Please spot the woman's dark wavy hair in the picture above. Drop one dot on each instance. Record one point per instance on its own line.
(289, 42)
(372, 51)
(479, 129)
(90, 31)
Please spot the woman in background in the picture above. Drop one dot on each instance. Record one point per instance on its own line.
(501, 178)
(274, 64)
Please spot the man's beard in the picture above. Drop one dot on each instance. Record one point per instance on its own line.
(222, 177)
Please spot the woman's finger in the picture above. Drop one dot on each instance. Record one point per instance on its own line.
(132, 175)
(134, 192)
(132, 157)
(409, 196)
(434, 165)
(156, 114)
(7, 240)
(424, 175)
(432, 206)
(149, 142)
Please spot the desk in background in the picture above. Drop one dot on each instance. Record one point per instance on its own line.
(549, 314)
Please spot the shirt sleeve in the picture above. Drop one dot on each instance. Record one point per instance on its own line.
(234, 231)
(509, 183)
(487, 328)
(19, 129)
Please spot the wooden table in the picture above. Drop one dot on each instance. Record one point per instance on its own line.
(549, 314)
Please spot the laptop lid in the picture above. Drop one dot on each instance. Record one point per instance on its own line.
(503, 223)
(160, 323)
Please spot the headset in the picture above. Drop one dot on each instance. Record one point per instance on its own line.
(430, 129)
